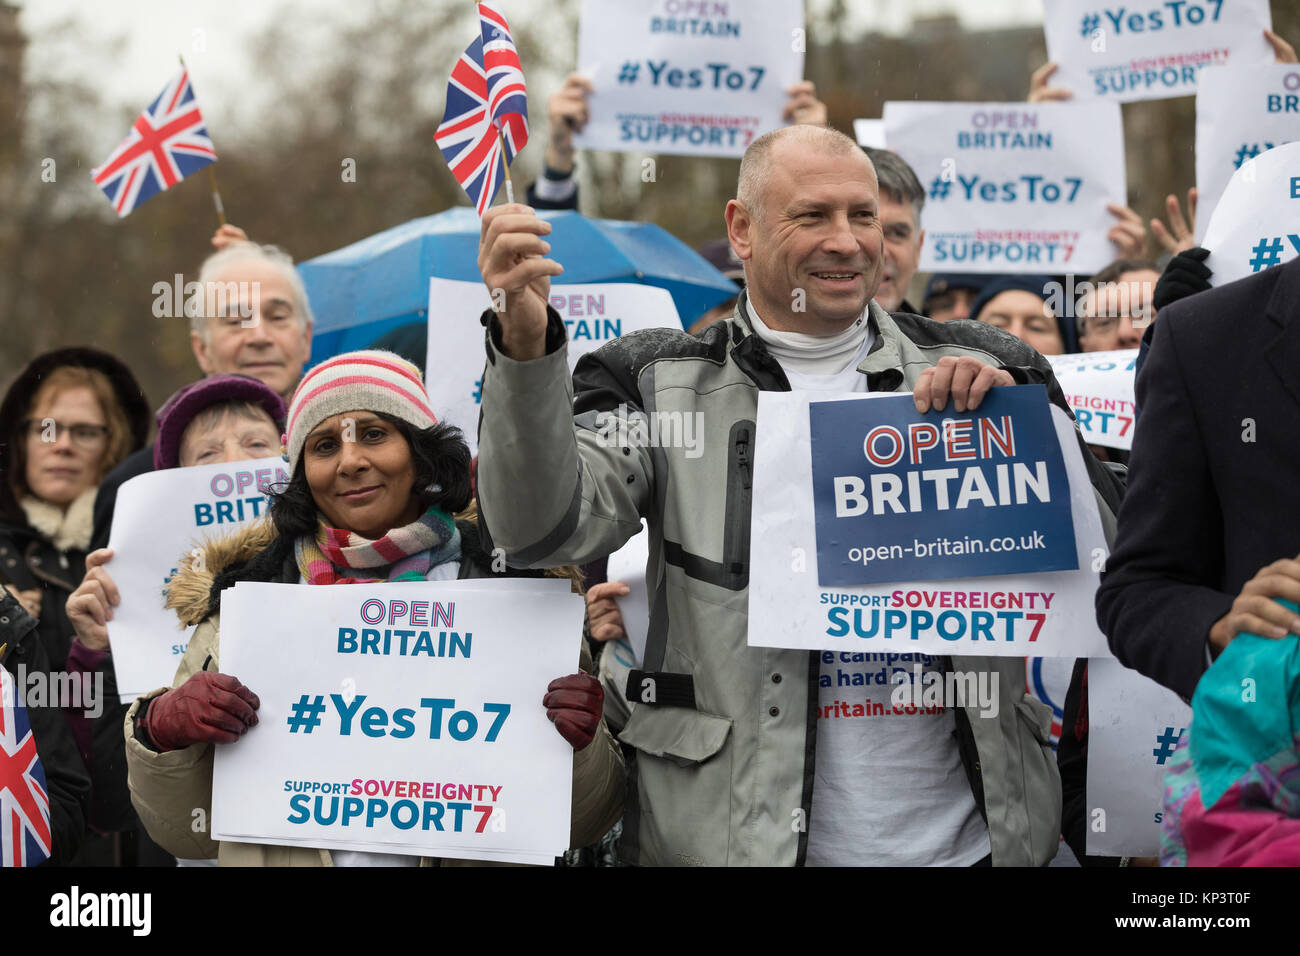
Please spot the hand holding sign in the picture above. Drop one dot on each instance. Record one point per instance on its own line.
(567, 113)
(436, 746)
(929, 533)
(1128, 234)
(1283, 52)
(90, 606)
(803, 108)
(511, 260)
(604, 620)
(207, 708)
(574, 704)
(1040, 92)
(966, 379)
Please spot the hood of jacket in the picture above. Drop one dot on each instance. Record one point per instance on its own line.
(193, 589)
(13, 409)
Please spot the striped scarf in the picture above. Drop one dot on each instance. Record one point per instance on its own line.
(404, 554)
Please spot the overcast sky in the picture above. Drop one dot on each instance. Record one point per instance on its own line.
(210, 33)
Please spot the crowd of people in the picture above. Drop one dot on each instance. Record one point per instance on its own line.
(731, 764)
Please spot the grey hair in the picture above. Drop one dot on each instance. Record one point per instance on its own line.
(898, 180)
(273, 256)
(756, 165)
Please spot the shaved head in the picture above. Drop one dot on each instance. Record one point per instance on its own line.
(756, 164)
(806, 224)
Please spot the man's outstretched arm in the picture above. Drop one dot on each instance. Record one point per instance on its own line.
(552, 490)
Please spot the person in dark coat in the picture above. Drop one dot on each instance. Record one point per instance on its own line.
(67, 419)
(1208, 532)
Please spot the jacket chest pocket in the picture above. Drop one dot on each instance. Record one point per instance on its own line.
(729, 569)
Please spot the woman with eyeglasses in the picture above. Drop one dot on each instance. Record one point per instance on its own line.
(69, 416)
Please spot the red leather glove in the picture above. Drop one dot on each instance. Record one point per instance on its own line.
(574, 704)
(207, 708)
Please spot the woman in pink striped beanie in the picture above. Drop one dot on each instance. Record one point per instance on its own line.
(375, 477)
(375, 482)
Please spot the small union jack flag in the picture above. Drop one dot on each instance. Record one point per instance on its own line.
(25, 838)
(166, 144)
(486, 92)
(507, 94)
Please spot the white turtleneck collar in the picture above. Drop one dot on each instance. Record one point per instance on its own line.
(816, 354)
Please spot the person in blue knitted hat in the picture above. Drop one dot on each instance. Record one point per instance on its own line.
(1019, 305)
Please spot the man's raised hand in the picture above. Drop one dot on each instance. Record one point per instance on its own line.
(511, 260)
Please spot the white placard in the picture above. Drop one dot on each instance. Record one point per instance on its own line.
(593, 314)
(1257, 222)
(628, 565)
(1013, 187)
(870, 132)
(685, 78)
(1150, 50)
(354, 684)
(159, 518)
(1047, 614)
(1133, 727)
(1099, 388)
(1241, 111)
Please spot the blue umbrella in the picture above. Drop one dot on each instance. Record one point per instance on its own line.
(375, 292)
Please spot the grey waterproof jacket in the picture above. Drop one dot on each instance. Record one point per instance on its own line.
(723, 766)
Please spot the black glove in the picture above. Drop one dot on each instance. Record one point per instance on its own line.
(1185, 275)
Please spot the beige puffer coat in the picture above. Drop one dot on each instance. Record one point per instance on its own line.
(172, 791)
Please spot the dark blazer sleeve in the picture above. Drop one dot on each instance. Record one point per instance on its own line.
(65, 773)
(1157, 598)
(538, 203)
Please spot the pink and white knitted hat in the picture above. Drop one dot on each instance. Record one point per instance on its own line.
(369, 380)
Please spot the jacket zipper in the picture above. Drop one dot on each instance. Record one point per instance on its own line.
(739, 487)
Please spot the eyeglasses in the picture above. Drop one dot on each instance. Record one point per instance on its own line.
(48, 431)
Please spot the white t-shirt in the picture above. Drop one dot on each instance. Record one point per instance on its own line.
(889, 788)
